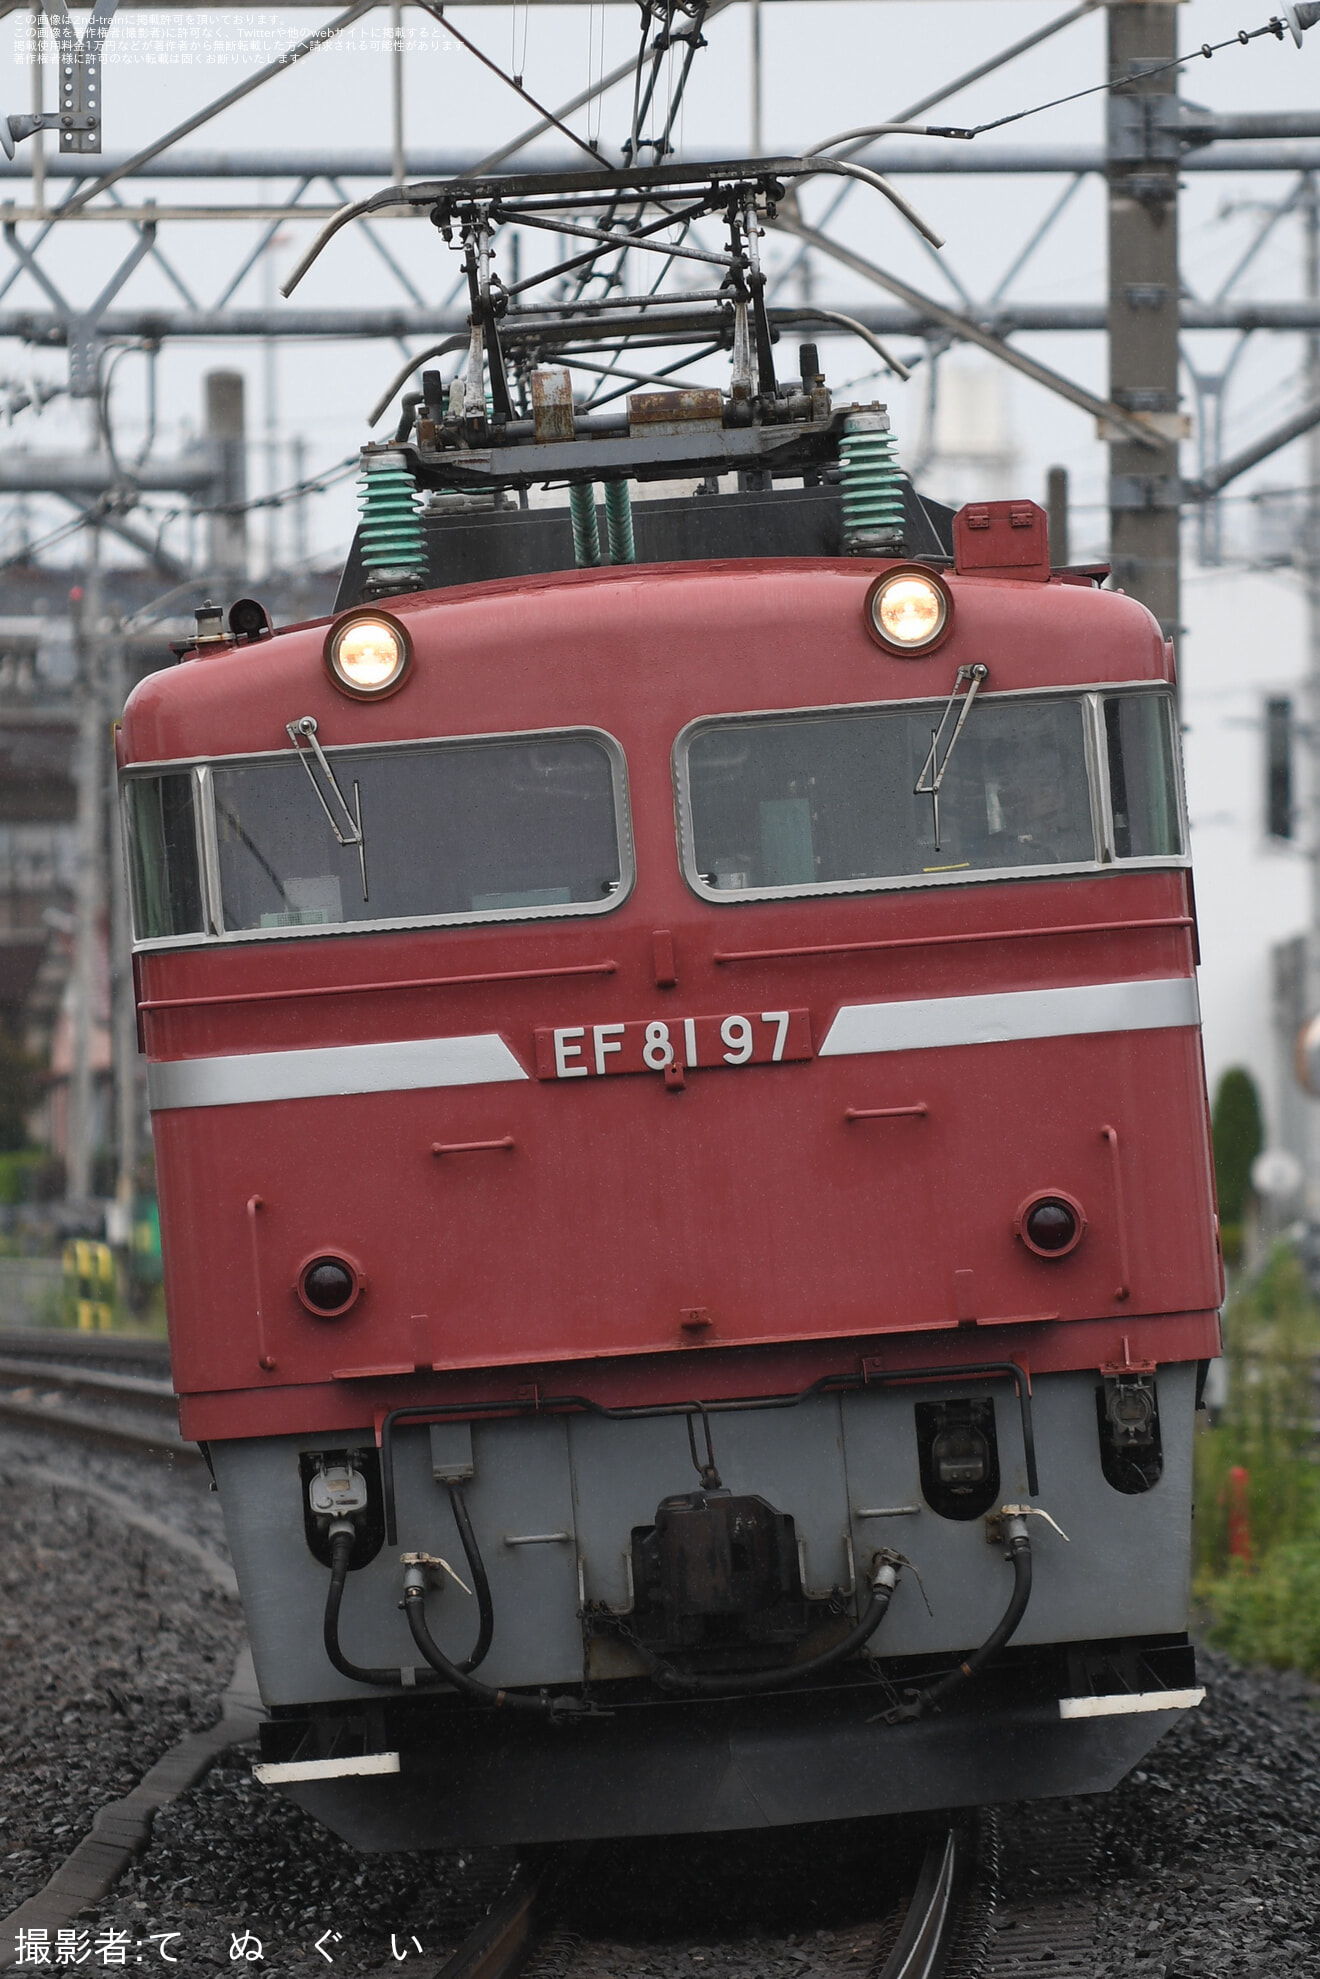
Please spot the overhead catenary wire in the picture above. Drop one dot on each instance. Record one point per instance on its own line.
(316, 484)
(903, 123)
(515, 82)
(244, 88)
(1275, 26)
(84, 519)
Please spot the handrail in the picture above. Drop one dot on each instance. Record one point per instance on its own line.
(533, 1402)
(606, 968)
(265, 1358)
(939, 941)
(1124, 1288)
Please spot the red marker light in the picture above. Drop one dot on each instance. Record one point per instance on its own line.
(1051, 1225)
(328, 1286)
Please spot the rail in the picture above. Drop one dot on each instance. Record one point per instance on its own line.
(934, 1912)
(507, 1938)
(107, 1389)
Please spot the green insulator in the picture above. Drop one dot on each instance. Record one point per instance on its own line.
(586, 528)
(390, 538)
(618, 522)
(872, 488)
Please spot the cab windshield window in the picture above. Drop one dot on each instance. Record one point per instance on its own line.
(516, 826)
(163, 868)
(831, 798)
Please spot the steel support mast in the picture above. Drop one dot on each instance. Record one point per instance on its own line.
(1142, 144)
(1309, 563)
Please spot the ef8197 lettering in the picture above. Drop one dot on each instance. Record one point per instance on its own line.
(590, 1051)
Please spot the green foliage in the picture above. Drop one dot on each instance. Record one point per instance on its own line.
(16, 1173)
(1271, 1335)
(1235, 1128)
(18, 1091)
(30, 1175)
(1268, 1610)
(1272, 1615)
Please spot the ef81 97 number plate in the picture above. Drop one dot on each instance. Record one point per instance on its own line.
(592, 1051)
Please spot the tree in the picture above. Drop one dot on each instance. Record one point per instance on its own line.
(1237, 1134)
(18, 1091)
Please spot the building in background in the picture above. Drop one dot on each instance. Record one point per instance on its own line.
(969, 453)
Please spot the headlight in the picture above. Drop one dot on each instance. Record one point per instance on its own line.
(368, 654)
(908, 611)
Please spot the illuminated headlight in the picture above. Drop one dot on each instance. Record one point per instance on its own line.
(368, 654)
(908, 611)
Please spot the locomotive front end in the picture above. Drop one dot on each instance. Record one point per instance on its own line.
(683, 1158)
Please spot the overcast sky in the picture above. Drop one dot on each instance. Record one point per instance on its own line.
(828, 64)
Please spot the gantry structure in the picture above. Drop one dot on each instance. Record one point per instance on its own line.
(58, 179)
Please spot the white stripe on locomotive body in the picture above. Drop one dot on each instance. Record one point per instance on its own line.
(1006, 1016)
(324, 1071)
(413, 1064)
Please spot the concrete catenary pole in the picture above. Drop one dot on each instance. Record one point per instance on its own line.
(227, 436)
(123, 1000)
(1142, 150)
(89, 892)
(1056, 506)
(398, 156)
(1309, 564)
(756, 138)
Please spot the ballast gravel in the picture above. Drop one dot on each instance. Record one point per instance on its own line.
(111, 1649)
(1209, 1853)
(1207, 1857)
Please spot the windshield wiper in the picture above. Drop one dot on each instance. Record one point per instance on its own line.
(347, 827)
(932, 770)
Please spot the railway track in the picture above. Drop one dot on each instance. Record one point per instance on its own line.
(989, 1896)
(100, 1388)
(530, 1931)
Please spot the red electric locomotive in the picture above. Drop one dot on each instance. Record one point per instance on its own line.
(681, 1131)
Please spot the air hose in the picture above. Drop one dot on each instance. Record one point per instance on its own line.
(619, 522)
(872, 488)
(391, 540)
(480, 1580)
(341, 1551)
(342, 1539)
(1019, 1552)
(883, 1582)
(586, 528)
(414, 1607)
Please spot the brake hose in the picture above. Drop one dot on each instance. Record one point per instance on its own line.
(342, 1538)
(480, 1580)
(1019, 1552)
(883, 1582)
(414, 1607)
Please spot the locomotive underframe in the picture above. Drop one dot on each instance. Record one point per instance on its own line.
(663, 1767)
(555, 1502)
(558, 1505)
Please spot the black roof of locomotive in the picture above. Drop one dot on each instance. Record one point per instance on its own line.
(477, 546)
